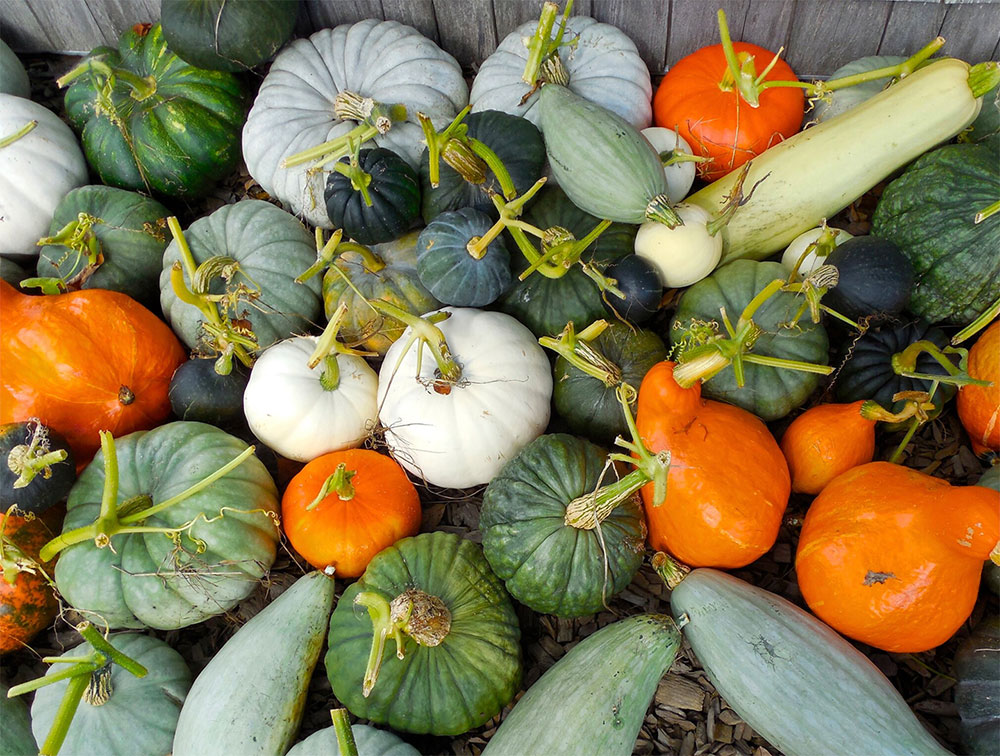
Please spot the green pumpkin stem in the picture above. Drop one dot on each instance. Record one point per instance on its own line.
(142, 87)
(338, 482)
(78, 236)
(21, 132)
(676, 156)
(34, 458)
(655, 467)
(328, 348)
(905, 364)
(342, 729)
(659, 210)
(917, 404)
(669, 569)
(542, 47)
(359, 178)
(983, 77)
(382, 625)
(496, 165)
(64, 714)
(424, 331)
(510, 211)
(577, 349)
(984, 319)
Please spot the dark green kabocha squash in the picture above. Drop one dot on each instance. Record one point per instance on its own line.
(198, 392)
(874, 278)
(977, 667)
(637, 279)
(37, 468)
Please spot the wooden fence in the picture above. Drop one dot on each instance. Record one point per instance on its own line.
(818, 35)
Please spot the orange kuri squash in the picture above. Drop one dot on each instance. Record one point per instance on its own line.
(825, 441)
(27, 603)
(979, 406)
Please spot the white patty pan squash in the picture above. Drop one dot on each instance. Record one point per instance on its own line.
(459, 434)
(37, 170)
(603, 67)
(389, 62)
(289, 407)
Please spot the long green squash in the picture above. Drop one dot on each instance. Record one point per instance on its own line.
(818, 172)
(593, 699)
(795, 681)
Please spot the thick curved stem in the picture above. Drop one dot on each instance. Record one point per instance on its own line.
(577, 350)
(427, 333)
(22, 132)
(342, 729)
(382, 626)
(338, 482)
(984, 319)
(142, 88)
(670, 570)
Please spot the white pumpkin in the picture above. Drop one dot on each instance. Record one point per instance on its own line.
(604, 67)
(387, 61)
(36, 172)
(288, 408)
(682, 255)
(461, 435)
(803, 241)
(680, 175)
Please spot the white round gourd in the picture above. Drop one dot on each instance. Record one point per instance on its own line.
(680, 175)
(682, 255)
(801, 242)
(288, 408)
(461, 437)
(36, 172)
(604, 67)
(385, 60)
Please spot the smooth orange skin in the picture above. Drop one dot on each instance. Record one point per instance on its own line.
(719, 124)
(979, 406)
(66, 357)
(347, 534)
(892, 557)
(728, 483)
(28, 605)
(825, 441)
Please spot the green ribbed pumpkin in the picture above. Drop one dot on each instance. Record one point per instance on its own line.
(370, 742)
(978, 688)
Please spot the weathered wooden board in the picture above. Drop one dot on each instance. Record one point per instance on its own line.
(818, 35)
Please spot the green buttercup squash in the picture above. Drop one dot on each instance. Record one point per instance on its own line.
(370, 742)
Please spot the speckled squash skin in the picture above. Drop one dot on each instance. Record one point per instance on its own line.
(27, 605)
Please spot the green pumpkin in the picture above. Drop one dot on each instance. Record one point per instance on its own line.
(271, 248)
(12, 272)
(13, 77)
(370, 742)
(471, 673)
(546, 305)
(589, 405)
(141, 713)
(447, 268)
(515, 140)
(146, 579)
(770, 393)
(548, 565)
(385, 271)
(978, 687)
(15, 727)
(227, 35)
(162, 125)
(125, 228)
(991, 571)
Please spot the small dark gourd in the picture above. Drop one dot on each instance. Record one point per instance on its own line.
(36, 467)
(198, 392)
(874, 278)
(638, 280)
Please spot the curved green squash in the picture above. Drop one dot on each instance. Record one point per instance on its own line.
(129, 235)
(13, 77)
(515, 140)
(177, 140)
(795, 681)
(443, 689)
(227, 35)
(548, 565)
(15, 727)
(978, 687)
(770, 393)
(250, 698)
(929, 212)
(370, 742)
(139, 717)
(594, 699)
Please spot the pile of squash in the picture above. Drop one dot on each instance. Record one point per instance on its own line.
(513, 291)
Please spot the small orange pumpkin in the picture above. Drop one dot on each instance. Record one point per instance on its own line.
(344, 507)
(892, 557)
(979, 406)
(83, 362)
(825, 441)
(728, 483)
(27, 603)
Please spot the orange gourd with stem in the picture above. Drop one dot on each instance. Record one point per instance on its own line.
(728, 483)
(85, 361)
(979, 406)
(344, 507)
(892, 557)
(27, 603)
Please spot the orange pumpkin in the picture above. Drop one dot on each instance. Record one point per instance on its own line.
(892, 557)
(83, 362)
(825, 441)
(369, 505)
(979, 406)
(728, 483)
(27, 603)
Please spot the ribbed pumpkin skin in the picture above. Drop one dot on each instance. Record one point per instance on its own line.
(518, 144)
(131, 230)
(978, 687)
(272, 248)
(178, 141)
(929, 213)
(593, 699)
(445, 689)
(43, 491)
(979, 406)
(141, 714)
(394, 192)
(145, 581)
(825, 441)
(874, 278)
(770, 393)
(227, 35)
(370, 742)
(549, 566)
(768, 658)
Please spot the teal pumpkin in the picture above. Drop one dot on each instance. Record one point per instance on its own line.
(370, 742)
(547, 565)
(15, 726)
(13, 77)
(978, 688)
(443, 689)
(770, 393)
(157, 124)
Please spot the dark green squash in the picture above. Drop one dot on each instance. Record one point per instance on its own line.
(546, 305)
(227, 35)
(638, 280)
(124, 231)
(15, 724)
(472, 672)
(874, 278)
(929, 212)
(515, 140)
(161, 125)
(550, 566)
(392, 188)
(30, 452)
(978, 687)
(12, 272)
(770, 393)
(991, 571)
(198, 392)
(447, 268)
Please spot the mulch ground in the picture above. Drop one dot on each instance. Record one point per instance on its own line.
(687, 715)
